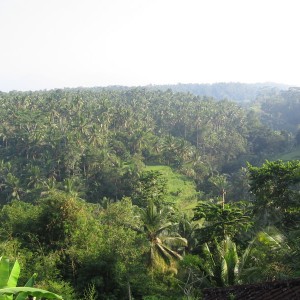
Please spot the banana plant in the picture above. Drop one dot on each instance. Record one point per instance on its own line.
(222, 265)
(9, 275)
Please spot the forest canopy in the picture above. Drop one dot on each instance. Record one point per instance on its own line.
(141, 193)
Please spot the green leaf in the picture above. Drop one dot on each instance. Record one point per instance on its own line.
(39, 293)
(14, 275)
(31, 280)
(4, 271)
(209, 263)
(29, 283)
(175, 241)
(8, 278)
(224, 272)
(231, 255)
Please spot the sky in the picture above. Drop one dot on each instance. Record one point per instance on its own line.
(48, 44)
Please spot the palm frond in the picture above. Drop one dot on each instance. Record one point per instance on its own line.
(174, 241)
(167, 251)
(224, 272)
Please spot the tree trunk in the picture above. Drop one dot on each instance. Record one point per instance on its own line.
(129, 291)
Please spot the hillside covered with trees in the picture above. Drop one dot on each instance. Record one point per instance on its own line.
(145, 193)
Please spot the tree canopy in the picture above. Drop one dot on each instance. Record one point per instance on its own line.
(86, 201)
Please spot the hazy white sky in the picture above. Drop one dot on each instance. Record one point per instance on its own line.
(68, 43)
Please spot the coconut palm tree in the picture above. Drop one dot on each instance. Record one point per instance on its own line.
(163, 245)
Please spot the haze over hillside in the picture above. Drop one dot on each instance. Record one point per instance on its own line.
(233, 90)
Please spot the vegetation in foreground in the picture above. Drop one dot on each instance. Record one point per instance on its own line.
(136, 194)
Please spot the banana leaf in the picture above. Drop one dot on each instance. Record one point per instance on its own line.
(38, 293)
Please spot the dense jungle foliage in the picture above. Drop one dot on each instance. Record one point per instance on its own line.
(119, 193)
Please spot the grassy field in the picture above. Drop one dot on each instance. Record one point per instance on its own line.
(180, 189)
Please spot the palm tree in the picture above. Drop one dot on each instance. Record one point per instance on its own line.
(222, 185)
(157, 226)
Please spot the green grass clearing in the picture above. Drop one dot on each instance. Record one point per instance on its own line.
(180, 189)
